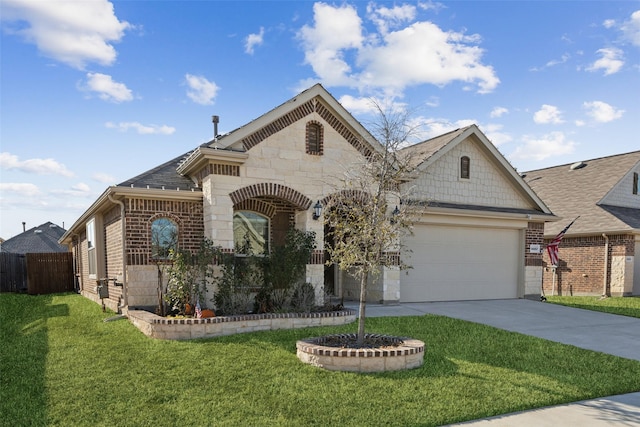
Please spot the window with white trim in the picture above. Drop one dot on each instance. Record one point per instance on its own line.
(91, 249)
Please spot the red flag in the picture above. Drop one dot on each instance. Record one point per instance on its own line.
(552, 248)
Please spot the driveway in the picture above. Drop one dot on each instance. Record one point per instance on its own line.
(592, 330)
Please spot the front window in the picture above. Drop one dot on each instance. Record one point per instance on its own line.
(91, 249)
(164, 237)
(250, 233)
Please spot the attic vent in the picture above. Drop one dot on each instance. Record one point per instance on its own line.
(577, 165)
(53, 226)
(37, 231)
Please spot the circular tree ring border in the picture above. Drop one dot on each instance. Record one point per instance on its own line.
(407, 355)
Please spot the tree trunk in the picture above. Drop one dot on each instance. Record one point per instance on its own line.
(361, 311)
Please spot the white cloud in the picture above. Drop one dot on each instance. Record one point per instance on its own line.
(9, 161)
(141, 129)
(22, 189)
(335, 30)
(103, 177)
(432, 127)
(385, 18)
(427, 54)
(498, 112)
(78, 190)
(72, 32)
(201, 91)
(548, 114)
(611, 61)
(253, 40)
(631, 28)
(602, 112)
(106, 88)
(367, 105)
(549, 145)
(495, 134)
(609, 23)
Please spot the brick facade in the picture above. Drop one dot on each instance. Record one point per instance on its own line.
(584, 274)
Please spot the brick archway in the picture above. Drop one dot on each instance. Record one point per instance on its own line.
(297, 199)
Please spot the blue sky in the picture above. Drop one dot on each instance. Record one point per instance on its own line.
(95, 92)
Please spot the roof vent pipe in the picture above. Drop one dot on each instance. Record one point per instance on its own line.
(215, 120)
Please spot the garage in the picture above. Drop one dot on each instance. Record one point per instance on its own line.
(452, 263)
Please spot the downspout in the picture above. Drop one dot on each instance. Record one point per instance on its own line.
(125, 302)
(606, 265)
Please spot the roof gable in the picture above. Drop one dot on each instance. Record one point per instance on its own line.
(587, 189)
(494, 182)
(313, 100)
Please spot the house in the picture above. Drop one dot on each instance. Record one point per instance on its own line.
(479, 234)
(598, 254)
(40, 239)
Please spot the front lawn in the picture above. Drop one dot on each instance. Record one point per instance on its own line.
(61, 365)
(627, 306)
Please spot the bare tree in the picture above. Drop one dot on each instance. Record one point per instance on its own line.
(365, 215)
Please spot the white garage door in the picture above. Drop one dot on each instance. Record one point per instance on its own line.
(461, 263)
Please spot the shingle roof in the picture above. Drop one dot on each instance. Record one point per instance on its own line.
(43, 238)
(571, 192)
(164, 175)
(421, 151)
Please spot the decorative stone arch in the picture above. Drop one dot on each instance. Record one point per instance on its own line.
(297, 199)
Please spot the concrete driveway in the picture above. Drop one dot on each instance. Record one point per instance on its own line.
(607, 333)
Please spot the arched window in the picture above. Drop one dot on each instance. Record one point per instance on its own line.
(250, 233)
(314, 143)
(164, 237)
(465, 166)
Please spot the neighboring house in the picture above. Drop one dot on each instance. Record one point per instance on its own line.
(478, 237)
(599, 253)
(40, 239)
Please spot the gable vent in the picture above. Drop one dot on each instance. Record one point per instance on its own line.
(577, 165)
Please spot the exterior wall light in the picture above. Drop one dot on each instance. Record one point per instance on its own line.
(394, 214)
(317, 210)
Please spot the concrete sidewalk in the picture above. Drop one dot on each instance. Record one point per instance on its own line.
(607, 333)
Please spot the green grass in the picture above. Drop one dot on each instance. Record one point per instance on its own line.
(627, 306)
(61, 365)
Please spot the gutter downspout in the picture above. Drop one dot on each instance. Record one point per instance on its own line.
(606, 265)
(125, 300)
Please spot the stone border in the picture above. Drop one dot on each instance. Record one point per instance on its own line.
(159, 327)
(408, 355)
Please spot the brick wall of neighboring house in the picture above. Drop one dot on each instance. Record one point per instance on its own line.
(582, 266)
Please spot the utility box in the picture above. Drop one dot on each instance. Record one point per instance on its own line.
(103, 288)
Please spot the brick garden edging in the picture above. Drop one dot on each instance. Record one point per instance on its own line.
(159, 327)
(408, 355)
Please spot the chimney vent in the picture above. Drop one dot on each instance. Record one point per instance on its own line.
(215, 120)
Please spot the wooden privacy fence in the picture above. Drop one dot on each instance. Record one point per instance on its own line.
(40, 273)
